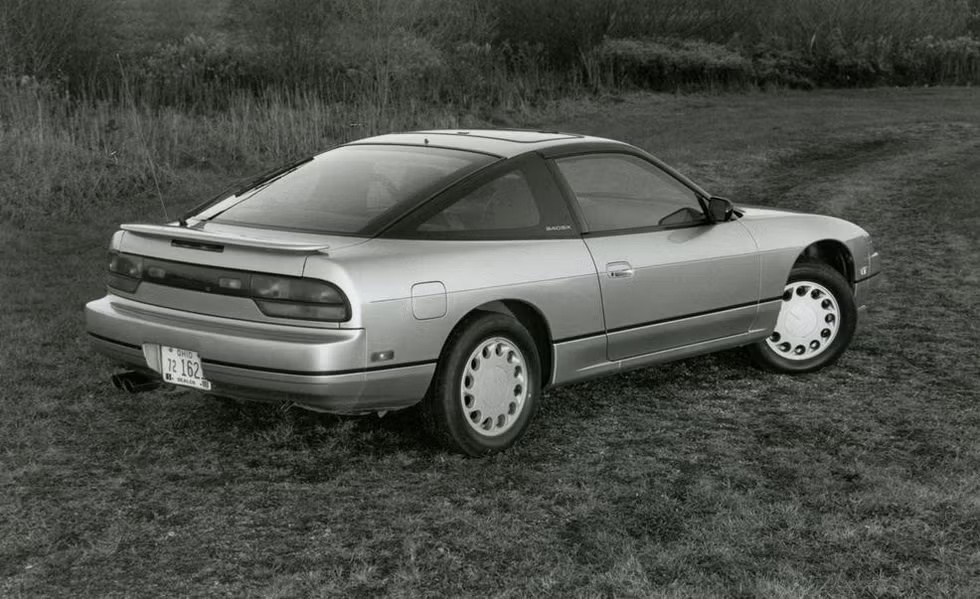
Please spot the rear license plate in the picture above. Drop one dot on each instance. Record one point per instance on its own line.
(182, 367)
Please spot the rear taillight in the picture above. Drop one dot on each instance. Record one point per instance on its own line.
(281, 297)
(307, 299)
(125, 271)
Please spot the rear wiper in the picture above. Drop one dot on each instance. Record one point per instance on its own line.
(253, 184)
(182, 219)
(270, 176)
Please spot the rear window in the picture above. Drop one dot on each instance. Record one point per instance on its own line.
(349, 190)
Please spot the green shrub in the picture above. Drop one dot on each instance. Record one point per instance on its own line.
(451, 23)
(560, 31)
(973, 19)
(349, 50)
(783, 69)
(673, 64)
(939, 62)
(716, 21)
(191, 72)
(56, 40)
(862, 63)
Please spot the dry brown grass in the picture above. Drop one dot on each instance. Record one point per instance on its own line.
(700, 478)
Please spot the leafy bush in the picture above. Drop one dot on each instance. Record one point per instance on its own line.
(665, 64)
(716, 21)
(783, 68)
(861, 63)
(973, 19)
(190, 72)
(348, 50)
(297, 31)
(672, 64)
(939, 62)
(56, 40)
(561, 31)
(451, 23)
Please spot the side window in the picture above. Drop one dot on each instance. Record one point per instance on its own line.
(505, 203)
(618, 191)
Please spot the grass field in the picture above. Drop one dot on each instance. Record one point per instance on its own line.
(704, 477)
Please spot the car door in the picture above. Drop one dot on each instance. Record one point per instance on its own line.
(668, 276)
(506, 234)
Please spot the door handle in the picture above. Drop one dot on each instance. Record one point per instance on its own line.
(619, 270)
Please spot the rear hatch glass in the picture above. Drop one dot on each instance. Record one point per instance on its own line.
(351, 190)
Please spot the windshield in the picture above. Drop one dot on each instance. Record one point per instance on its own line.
(348, 190)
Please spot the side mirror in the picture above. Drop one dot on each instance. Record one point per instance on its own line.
(720, 209)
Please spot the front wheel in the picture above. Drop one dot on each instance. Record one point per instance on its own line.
(816, 322)
(486, 386)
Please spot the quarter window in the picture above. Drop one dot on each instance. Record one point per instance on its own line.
(618, 191)
(503, 204)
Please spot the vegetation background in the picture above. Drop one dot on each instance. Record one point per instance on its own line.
(116, 97)
(699, 478)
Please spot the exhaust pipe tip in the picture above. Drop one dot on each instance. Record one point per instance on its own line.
(135, 382)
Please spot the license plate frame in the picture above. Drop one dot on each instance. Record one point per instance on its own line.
(182, 367)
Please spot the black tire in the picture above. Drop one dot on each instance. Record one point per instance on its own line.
(443, 407)
(768, 358)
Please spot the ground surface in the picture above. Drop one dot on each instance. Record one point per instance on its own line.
(702, 477)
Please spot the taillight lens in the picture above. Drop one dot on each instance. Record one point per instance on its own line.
(307, 299)
(281, 297)
(125, 271)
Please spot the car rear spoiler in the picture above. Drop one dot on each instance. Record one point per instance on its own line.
(218, 240)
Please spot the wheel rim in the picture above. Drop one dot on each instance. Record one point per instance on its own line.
(808, 322)
(493, 388)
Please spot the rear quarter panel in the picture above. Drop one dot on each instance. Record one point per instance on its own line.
(556, 277)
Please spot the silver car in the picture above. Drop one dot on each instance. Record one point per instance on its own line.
(468, 271)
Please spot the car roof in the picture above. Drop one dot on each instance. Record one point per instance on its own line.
(504, 143)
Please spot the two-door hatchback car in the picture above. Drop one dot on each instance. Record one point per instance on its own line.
(468, 271)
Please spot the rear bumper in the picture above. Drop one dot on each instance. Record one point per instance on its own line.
(320, 369)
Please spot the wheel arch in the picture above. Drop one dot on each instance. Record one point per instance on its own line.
(832, 253)
(531, 318)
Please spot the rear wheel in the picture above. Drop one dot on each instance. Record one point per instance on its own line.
(816, 322)
(486, 386)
